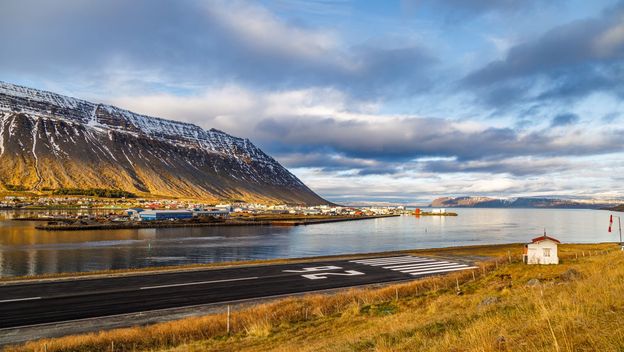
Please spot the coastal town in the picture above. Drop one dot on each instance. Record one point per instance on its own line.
(194, 207)
(75, 213)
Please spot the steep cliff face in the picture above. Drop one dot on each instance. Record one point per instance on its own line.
(51, 141)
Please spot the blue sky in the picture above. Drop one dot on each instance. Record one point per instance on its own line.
(383, 101)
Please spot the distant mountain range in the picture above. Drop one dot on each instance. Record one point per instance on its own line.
(616, 208)
(521, 202)
(50, 141)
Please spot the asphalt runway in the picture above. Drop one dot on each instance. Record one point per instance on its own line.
(60, 301)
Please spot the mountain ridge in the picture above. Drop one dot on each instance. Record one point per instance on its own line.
(54, 141)
(517, 202)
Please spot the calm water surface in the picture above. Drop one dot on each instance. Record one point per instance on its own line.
(26, 251)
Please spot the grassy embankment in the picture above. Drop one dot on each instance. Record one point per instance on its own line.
(575, 306)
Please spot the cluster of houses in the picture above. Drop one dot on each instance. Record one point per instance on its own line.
(85, 202)
(316, 210)
(140, 214)
(224, 210)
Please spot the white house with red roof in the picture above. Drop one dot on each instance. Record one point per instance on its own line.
(541, 250)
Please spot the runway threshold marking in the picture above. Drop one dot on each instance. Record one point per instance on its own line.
(200, 283)
(433, 266)
(20, 299)
(411, 265)
(382, 262)
(414, 265)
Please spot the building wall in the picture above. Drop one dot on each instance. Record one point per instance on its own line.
(535, 253)
(165, 216)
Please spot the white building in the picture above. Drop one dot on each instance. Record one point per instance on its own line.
(541, 250)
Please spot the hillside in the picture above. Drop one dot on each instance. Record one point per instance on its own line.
(520, 202)
(616, 208)
(50, 141)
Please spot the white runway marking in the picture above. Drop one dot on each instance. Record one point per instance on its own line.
(20, 299)
(200, 283)
(316, 268)
(408, 266)
(393, 261)
(324, 275)
(383, 259)
(435, 267)
(414, 265)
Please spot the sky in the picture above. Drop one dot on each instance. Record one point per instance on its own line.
(365, 101)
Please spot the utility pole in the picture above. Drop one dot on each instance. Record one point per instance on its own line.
(619, 227)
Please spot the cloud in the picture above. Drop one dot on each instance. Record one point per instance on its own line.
(326, 161)
(326, 129)
(462, 9)
(421, 188)
(356, 108)
(520, 166)
(564, 120)
(569, 61)
(402, 139)
(316, 7)
(185, 45)
(611, 117)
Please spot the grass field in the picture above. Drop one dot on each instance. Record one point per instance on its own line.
(574, 306)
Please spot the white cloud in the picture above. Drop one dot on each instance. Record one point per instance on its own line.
(299, 122)
(611, 41)
(261, 30)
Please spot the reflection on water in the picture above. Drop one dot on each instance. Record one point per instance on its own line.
(26, 251)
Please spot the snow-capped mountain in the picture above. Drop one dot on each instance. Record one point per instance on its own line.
(50, 141)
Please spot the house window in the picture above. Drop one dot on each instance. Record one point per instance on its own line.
(546, 252)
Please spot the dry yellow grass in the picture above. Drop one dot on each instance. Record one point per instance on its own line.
(570, 310)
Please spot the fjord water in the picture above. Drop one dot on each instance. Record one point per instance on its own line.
(26, 251)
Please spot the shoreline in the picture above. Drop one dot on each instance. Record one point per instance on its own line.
(242, 263)
(485, 251)
(148, 225)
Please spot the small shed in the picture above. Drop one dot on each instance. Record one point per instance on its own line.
(542, 250)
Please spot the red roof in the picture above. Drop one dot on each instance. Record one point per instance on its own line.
(543, 238)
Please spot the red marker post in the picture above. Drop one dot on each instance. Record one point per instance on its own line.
(619, 226)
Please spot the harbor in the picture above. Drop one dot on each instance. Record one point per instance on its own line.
(194, 222)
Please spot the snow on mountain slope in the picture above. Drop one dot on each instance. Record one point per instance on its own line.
(58, 141)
